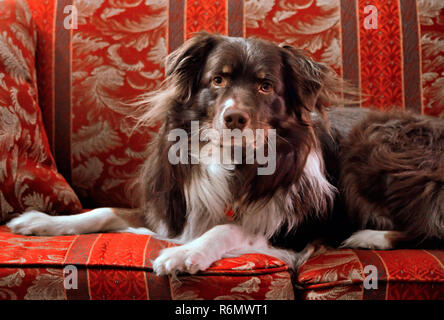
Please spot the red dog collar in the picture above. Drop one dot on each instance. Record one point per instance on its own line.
(230, 214)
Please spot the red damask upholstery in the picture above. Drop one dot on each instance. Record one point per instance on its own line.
(85, 77)
(401, 275)
(28, 173)
(119, 266)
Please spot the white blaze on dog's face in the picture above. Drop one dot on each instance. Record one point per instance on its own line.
(220, 122)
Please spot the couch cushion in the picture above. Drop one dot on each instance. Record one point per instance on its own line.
(401, 275)
(119, 266)
(28, 174)
(113, 53)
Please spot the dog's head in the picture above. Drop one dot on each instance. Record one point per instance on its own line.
(236, 83)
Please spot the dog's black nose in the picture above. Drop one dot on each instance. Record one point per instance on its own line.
(235, 119)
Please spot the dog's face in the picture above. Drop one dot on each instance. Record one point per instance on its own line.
(241, 85)
(236, 83)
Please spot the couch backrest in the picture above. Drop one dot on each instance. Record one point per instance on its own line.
(115, 52)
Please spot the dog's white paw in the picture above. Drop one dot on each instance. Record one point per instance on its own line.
(32, 223)
(368, 239)
(181, 259)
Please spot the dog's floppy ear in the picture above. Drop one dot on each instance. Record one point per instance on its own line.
(304, 78)
(184, 66)
(310, 84)
(183, 70)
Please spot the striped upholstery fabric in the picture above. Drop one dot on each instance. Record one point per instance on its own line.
(119, 266)
(373, 275)
(28, 174)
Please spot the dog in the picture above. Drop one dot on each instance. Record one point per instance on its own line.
(354, 177)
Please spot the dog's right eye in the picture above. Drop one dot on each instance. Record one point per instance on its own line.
(219, 81)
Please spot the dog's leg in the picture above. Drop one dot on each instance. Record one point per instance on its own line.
(221, 241)
(374, 239)
(97, 220)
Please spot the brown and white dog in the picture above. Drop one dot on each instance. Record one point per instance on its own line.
(380, 175)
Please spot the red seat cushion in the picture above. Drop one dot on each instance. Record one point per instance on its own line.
(119, 266)
(401, 274)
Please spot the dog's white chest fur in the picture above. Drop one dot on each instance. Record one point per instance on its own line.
(208, 196)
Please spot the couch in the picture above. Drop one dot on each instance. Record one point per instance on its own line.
(67, 72)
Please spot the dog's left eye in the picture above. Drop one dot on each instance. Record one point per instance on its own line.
(219, 81)
(266, 87)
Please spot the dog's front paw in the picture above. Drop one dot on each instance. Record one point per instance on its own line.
(32, 223)
(181, 259)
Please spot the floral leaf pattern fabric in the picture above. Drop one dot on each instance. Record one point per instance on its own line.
(401, 275)
(118, 266)
(28, 174)
(118, 52)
